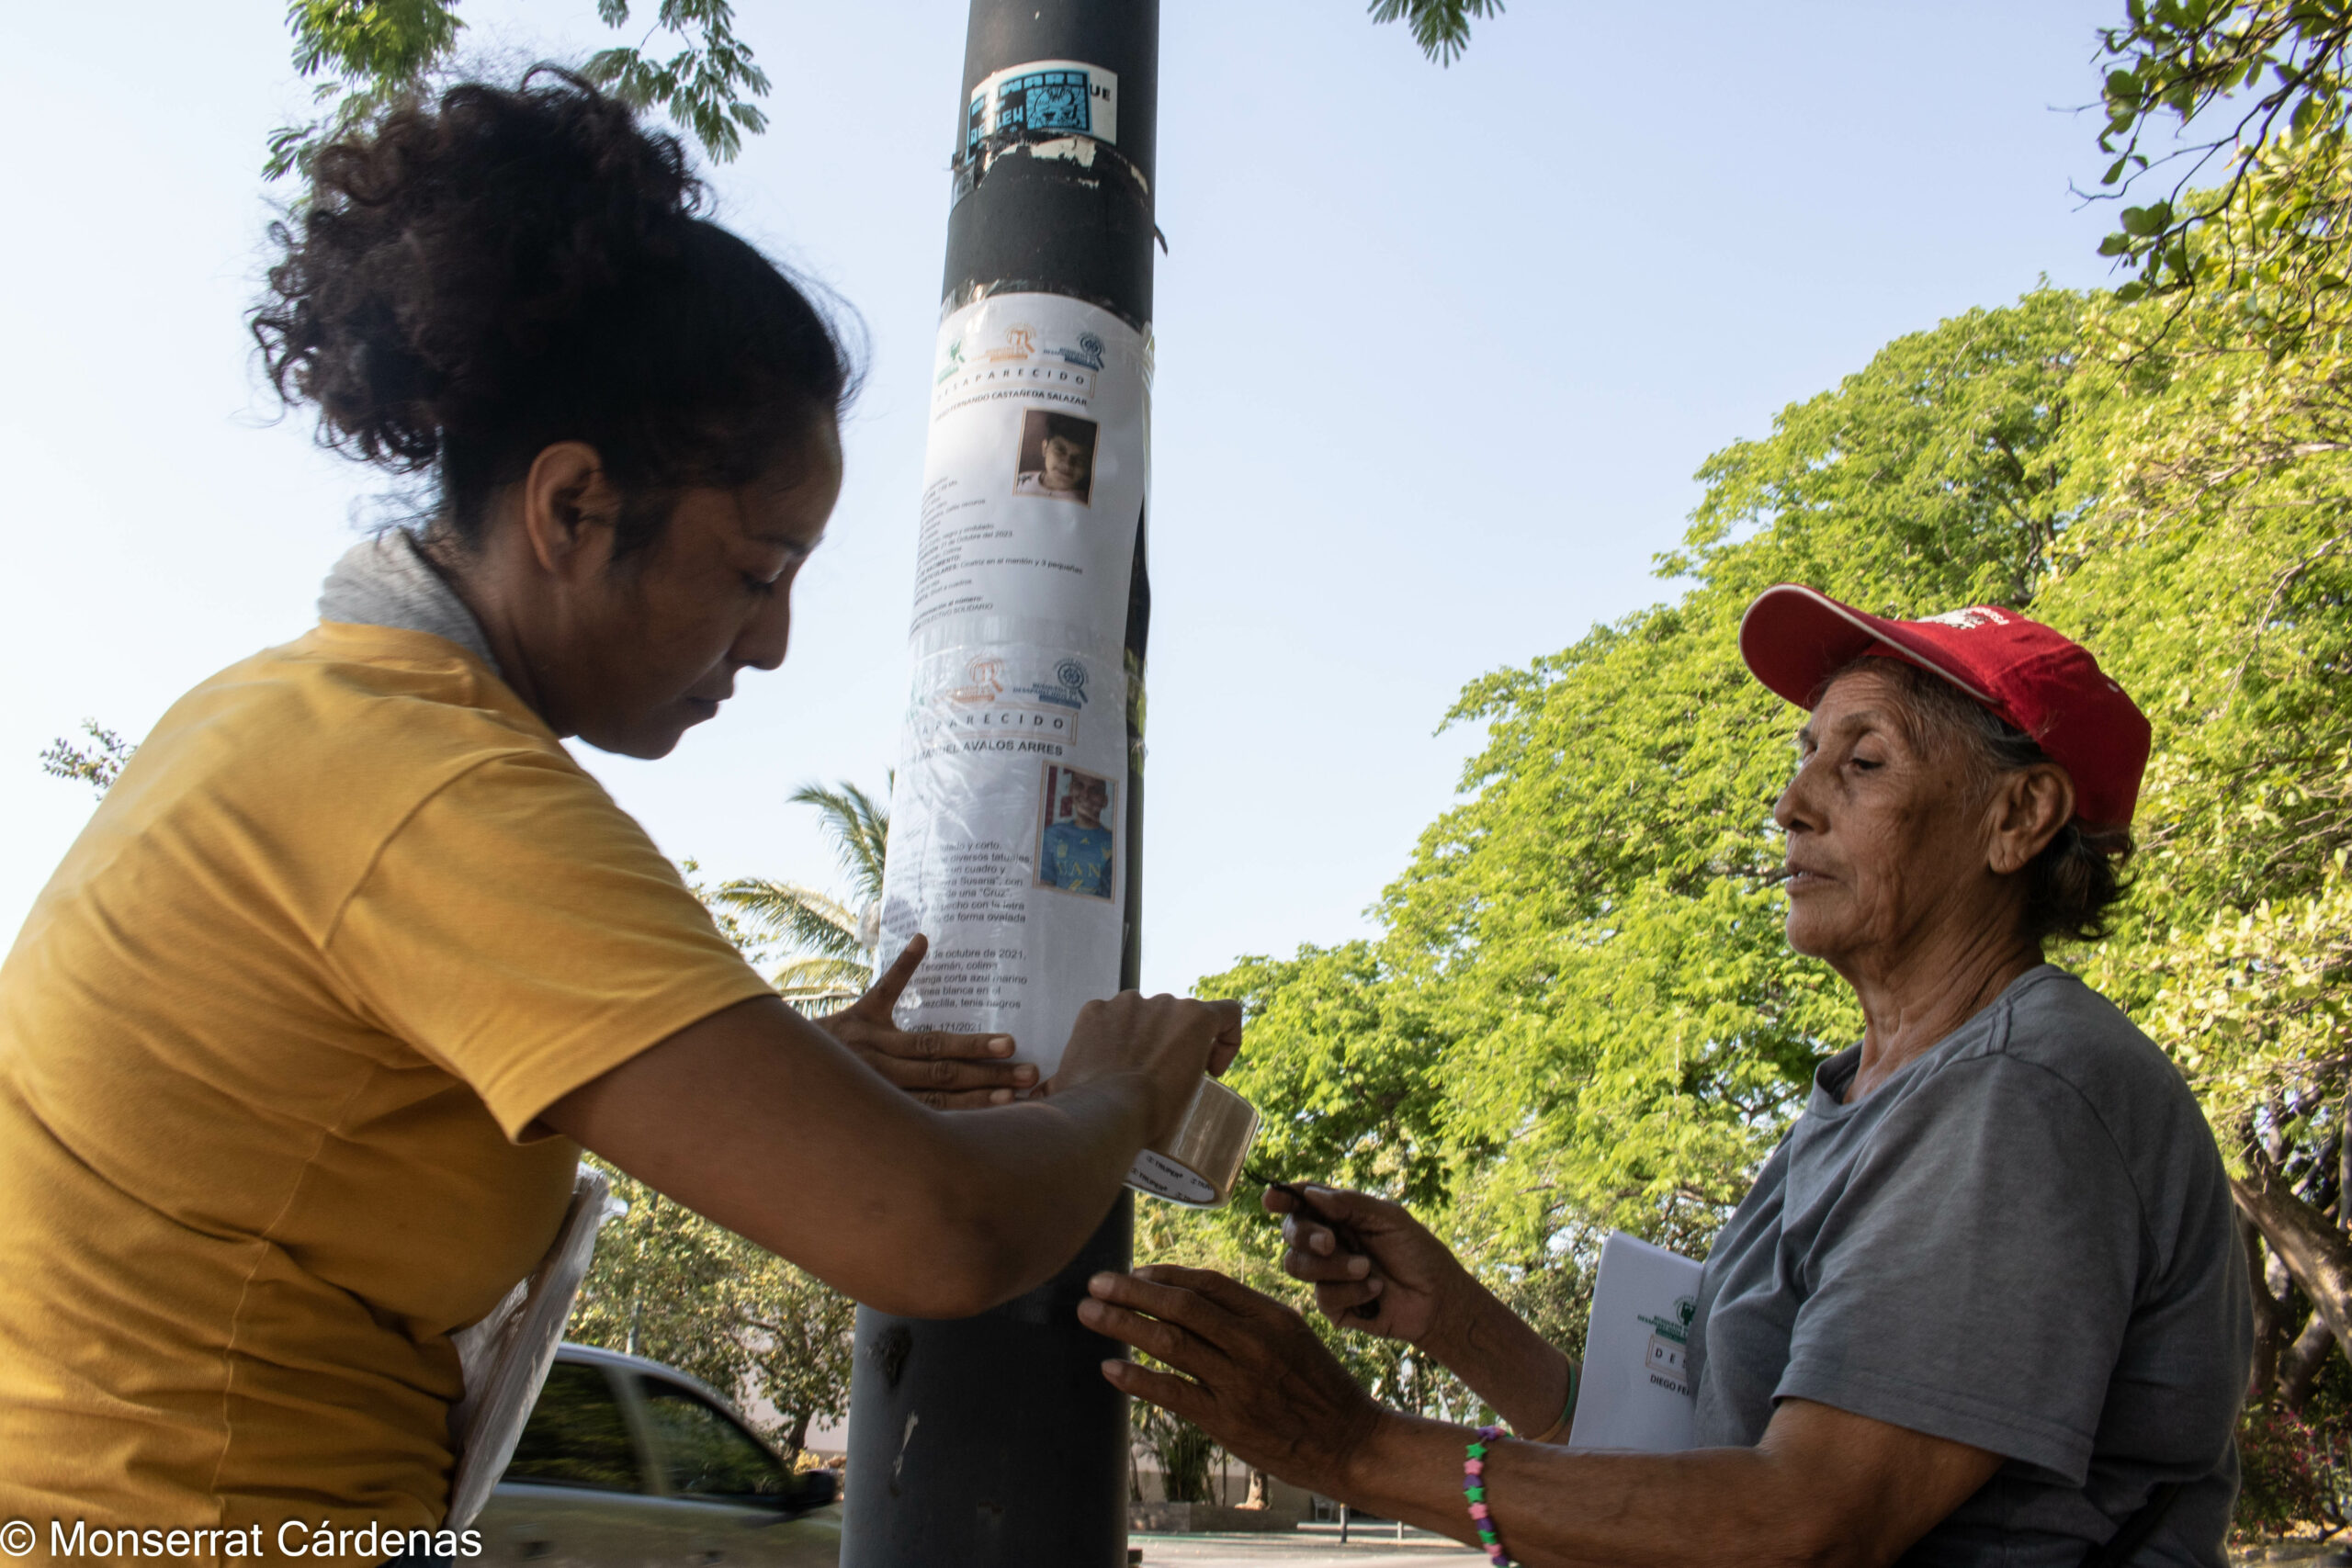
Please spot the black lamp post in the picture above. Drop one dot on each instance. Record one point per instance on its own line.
(994, 1441)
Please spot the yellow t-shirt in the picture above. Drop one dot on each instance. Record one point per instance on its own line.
(271, 1045)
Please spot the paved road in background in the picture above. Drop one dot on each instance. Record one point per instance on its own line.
(1317, 1550)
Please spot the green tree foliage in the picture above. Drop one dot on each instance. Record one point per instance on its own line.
(668, 1284)
(369, 54)
(1581, 1012)
(1441, 27)
(2248, 98)
(830, 942)
(98, 764)
(366, 55)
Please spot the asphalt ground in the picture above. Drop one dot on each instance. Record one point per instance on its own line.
(1373, 1546)
(1320, 1547)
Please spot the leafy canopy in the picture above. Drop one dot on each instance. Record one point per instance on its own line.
(1581, 1012)
(373, 53)
(97, 765)
(1441, 27)
(2249, 100)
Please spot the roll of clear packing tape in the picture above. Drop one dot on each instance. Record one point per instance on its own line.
(1199, 1162)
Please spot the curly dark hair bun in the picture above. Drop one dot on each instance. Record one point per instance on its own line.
(475, 278)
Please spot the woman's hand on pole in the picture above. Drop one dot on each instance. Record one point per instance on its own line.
(938, 1067)
(1408, 1277)
(1255, 1379)
(1163, 1044)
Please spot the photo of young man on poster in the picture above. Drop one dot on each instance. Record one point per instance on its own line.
(1056, 460)
(1074, 846)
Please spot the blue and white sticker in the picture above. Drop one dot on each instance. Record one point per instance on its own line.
(1044, 98)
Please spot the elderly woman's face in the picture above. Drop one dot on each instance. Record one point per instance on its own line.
(1887, 836)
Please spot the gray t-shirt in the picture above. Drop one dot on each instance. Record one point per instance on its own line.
(2022, 1241)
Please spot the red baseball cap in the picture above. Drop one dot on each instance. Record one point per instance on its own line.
(1794, 637)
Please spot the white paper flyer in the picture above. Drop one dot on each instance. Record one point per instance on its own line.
(1634, 1392)
(1008, 825)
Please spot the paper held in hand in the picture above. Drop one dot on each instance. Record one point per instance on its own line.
(1635, 1392)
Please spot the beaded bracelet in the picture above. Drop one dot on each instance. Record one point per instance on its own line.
(1473, 1486)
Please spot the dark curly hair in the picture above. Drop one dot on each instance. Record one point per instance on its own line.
(2076, 882)
(475, 278)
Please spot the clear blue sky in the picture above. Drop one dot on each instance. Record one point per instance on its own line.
(1438, 351)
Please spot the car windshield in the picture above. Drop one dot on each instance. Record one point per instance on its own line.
(703, 1452)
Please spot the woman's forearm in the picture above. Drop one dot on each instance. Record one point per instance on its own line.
(758, 1121)
(1504, 1360)
(1824, 1489)
(1025, 1185)
(1557, 1509)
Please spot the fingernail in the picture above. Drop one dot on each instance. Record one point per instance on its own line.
(1376, 1286)
(1024, 1074)
(1091, 1311)
(1001, 1045)
(1358, 1265)
(1115, 1371)
(1320, 1242)
(1100, 1284)
(999, 1097)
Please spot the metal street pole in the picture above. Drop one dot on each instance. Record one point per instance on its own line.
(994, 1441)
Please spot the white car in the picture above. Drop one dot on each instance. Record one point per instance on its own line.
(627, 1464)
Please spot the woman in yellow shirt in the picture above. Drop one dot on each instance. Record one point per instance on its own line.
(300, 1045)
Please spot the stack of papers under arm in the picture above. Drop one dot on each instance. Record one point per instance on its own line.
(1635, 1392)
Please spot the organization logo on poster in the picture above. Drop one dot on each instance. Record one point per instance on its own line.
(987, 705)
(1012, 360)
(983, 683)
(1669, 1347)
(1075, 838)
(1089, 352)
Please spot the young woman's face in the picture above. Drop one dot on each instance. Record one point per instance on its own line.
(656, 651)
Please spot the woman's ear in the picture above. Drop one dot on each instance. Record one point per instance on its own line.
(568, 508)
(2029, 808)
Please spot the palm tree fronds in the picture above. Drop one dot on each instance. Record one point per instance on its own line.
(800, 916)
(819, 985)
(859, 826)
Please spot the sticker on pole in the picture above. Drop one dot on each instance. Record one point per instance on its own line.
(1044, 97)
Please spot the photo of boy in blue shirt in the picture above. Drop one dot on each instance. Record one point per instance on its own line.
(1074, 853)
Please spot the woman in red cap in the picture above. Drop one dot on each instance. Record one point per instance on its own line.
(1985, 1305)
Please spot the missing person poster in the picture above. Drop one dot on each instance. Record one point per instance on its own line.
(1008, 823)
